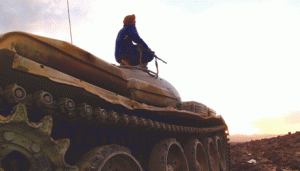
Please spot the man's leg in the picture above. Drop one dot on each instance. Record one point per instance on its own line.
(147, 57)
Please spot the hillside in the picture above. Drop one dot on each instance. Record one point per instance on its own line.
(281, 153)
(246, 138)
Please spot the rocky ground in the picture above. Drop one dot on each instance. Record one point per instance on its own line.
(280, 153)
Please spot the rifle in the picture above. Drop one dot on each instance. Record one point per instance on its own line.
(160, 59)
(140, 48)
(156, 56)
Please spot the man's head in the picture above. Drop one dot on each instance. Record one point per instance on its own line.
(129, 19)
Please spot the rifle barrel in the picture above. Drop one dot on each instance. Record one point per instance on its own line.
(160, 59)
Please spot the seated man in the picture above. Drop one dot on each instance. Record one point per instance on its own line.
(126, 52)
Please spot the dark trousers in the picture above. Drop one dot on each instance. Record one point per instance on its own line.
(133, 55)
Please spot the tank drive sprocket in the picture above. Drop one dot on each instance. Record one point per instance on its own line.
(28, 145)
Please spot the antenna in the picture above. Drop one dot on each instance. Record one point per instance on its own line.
(69, 22)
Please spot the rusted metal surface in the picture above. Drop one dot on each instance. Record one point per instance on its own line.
(220, 146)
(199, 108)
(168, 155)
(32, 140)
(196, 156)
(150, 94)
(66, 58)
(59, 77)
(14, 93)
(153, 85)
(16, 130)
(76, 62)
(212, 153)
(195, 107)
(110, 157)
(43, 99)
(151, 106)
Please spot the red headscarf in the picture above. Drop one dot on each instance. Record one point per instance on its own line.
(129, 19)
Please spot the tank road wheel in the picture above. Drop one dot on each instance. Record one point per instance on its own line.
(109, 158)
(212, 154)
(221, 152)
(196, 156)
(28, 146)
(168, 155)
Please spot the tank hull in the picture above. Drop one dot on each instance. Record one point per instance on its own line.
(78, 63)
(51, 119)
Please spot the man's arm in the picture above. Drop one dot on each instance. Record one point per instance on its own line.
(135, 36)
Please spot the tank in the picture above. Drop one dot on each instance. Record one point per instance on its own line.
(64, 109)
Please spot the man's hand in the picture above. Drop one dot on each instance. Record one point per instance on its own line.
(149, 50)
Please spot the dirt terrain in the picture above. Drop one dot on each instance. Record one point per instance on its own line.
(281, 153)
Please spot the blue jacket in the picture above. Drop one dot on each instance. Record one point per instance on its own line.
(124, 43)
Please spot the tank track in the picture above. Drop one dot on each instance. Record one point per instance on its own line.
(49, 134)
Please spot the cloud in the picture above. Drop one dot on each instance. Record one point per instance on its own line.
(281, 124)
(23, 16)
(243, 51)
(292, 117)
(47, 17)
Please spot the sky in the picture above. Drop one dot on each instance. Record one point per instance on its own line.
(238, 57)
